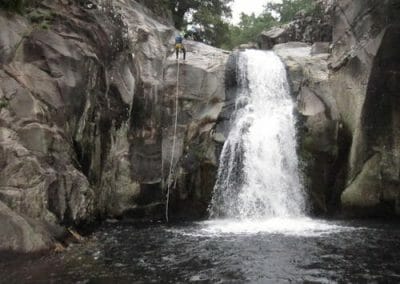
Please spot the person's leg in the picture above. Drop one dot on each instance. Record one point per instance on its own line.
(184, 52)
(177, 52)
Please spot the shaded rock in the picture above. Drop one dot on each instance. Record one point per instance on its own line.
(87, 111)
(320, 47)
(19, 234)
(66, 124)
(308, 104)
(201, 100)
(365, 66)
(365, 191)
(11, 37)
(318, 119)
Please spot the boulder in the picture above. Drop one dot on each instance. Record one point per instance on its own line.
(365, 190)
(267, 39)
(22, 235)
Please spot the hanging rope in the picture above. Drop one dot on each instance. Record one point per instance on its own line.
(169, 183)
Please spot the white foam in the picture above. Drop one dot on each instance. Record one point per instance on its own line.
(304, 227)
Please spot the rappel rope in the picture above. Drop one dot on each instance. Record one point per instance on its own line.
(173, 144)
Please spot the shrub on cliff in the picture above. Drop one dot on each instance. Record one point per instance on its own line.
(17, 6)
(12, 5)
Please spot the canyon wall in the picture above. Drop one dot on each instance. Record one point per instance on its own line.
(88, 97)
(87, 110)
(347, 91)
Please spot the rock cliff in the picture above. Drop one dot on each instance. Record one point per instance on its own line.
(87, 105)
(347, 97)
(365, 76)
(88, 95)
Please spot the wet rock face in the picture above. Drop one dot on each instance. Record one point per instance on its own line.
(86, 111)
(318, 120)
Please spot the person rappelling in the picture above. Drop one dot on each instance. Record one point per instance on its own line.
(179, 46)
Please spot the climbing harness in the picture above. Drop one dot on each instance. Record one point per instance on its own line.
(173, 144)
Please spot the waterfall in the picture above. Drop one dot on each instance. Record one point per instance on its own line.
(258, 175)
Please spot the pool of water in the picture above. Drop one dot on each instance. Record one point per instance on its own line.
(224, 251)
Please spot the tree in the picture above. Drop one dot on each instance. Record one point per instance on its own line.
(249, 27)
(208, 15)
(288, 9)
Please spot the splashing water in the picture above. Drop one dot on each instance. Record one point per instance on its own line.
(258, 175)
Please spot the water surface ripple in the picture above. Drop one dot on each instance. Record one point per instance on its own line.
(325, 252)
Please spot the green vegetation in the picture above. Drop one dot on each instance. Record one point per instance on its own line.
(3, 103)
(18, 6)
(208, 15)
(248, 28)
(41, 17)
(274, 14)
(288, 9)
(13, 5)
(203, 12)
(210, 18)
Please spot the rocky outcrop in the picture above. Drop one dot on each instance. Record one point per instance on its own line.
(308, 27)
(348, 107)
(86, 117)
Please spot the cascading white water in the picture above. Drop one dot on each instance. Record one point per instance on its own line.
(258, 175)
